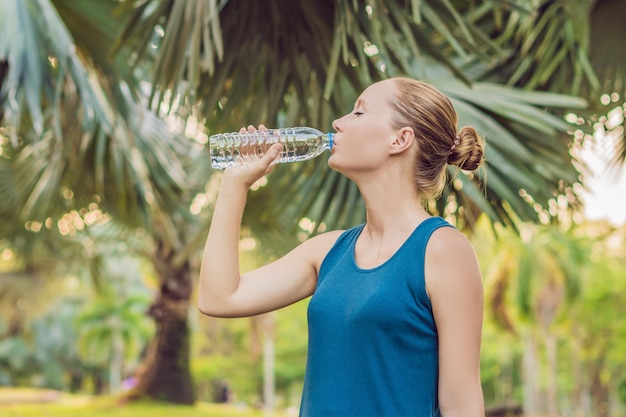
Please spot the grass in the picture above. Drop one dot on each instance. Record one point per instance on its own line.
(46, 403)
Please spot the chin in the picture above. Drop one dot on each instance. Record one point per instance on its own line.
(337, 167)
(332, 164)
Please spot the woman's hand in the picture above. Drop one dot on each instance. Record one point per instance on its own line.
(252, 168)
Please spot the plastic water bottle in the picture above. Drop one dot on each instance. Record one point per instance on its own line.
(299, 144)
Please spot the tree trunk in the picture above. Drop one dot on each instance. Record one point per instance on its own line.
(530, 375)
(168, 378)
(582, 398)
(551, 394)
(599, 389)
(165, 374)
(4, 69)
(614, 401)
(117, 361)
(269, 384)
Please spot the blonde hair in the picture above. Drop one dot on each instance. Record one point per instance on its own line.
(433, 119)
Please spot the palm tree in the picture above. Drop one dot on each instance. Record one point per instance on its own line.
(600, 337)
(80, 128)
(76, 139)
(542, 272)
(112, 330)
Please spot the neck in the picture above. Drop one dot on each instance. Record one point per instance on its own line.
(391, 203)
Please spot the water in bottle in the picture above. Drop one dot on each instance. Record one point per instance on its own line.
(299, 144)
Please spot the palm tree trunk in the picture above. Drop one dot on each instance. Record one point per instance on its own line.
(117, 361)
(599, 389)
(616, 407)
(530, 375)
(168, 377)
(551, 394)
(4, 69)
(269, 384)
(582, 398)
(165, 374)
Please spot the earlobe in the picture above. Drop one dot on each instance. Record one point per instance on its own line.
(403, 140)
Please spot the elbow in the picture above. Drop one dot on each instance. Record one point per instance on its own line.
(206, 305)
(208, 302)
(463, 405)
(215, 308)
(205, 309)
(208, 308)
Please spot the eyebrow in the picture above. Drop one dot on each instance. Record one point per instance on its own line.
(360, 102)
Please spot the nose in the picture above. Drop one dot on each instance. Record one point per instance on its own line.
(336, 125)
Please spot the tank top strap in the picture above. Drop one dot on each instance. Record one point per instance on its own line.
(426, 228)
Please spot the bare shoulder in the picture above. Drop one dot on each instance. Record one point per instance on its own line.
(447, 242)
(323, 241)
(318, 246)
(327, 238)
(451, 261)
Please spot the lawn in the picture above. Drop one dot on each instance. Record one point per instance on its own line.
(38, 403)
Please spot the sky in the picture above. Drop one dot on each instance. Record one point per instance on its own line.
(605, 197)
(606, 192)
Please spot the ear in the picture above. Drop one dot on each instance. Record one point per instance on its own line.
(404, 140)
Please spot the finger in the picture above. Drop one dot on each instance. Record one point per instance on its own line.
(262, 127)
(269, 169)
(273, 152)
(242, 130)
(251, 128)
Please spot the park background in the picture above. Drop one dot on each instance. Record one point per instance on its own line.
(106, 192)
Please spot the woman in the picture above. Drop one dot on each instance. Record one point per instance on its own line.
(395, 319)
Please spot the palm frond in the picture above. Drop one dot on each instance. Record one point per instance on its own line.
(238, 66)
(548, 47)
(63, 116)
(607, 55)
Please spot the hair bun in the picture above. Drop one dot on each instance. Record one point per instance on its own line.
(467, 150)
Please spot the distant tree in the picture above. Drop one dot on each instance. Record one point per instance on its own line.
(113, 329)
(533, 280)
(598, 335)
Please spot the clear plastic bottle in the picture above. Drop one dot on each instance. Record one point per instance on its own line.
(299, 144)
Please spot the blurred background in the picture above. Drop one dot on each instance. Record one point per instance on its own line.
(106, 192)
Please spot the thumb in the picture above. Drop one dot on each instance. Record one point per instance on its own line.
(274, 151)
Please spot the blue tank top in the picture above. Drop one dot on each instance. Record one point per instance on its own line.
(372, 336)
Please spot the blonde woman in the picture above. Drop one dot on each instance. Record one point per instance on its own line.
(395, 317)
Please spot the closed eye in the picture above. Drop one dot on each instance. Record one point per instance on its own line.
(357, 113)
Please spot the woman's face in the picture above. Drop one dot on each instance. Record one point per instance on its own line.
(363, 136)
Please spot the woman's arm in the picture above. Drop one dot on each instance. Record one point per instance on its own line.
(223, 291)
(454, 283)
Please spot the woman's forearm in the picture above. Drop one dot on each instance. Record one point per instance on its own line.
(219, 271)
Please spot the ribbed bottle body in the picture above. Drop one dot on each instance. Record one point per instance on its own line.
(299, 144)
